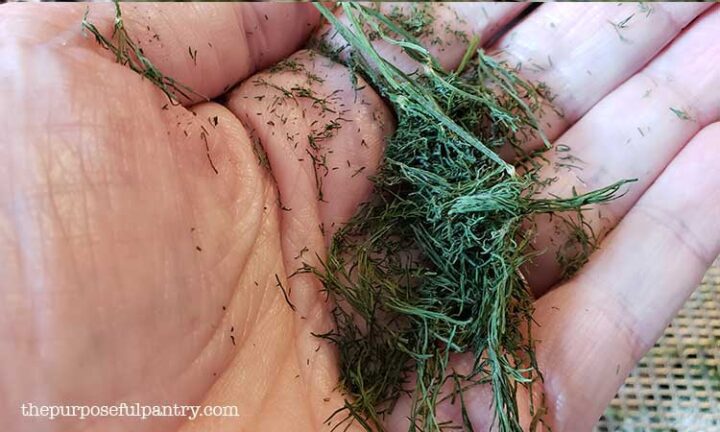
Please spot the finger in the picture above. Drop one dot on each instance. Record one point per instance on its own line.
(632, 133)
(580, 52)
(207, 46)
(444, 28)
(594, 329)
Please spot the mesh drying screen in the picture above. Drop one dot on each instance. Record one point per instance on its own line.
(676, 387)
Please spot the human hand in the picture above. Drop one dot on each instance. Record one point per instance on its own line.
(140, 263)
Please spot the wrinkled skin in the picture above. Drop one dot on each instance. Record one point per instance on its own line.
(133, 272)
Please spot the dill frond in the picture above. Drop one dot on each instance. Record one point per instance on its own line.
(129, 54)
(432, 265)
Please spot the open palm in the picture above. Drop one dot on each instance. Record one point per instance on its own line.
(146, 248)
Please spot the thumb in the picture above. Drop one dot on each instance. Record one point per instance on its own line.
(323, 138)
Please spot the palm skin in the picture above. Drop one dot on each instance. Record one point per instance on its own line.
(133, 271)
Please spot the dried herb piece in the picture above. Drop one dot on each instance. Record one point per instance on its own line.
(681, 114)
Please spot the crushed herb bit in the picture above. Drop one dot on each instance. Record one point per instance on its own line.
(259, 151)
(193, 55)
(681, 114)
(622, 25)
(203, 136)
(646, 9)
(302, 252)
(284, 293)
(431, 266)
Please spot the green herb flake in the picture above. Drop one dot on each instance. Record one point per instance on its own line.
(681, 114)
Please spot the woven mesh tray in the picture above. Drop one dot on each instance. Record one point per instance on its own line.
(676, 387)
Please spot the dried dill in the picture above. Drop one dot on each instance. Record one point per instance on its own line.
(417, 20)
(431, 266)
(622, 25)
(129, 54)
(681, 114)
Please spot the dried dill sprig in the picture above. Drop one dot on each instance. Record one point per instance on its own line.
(129, 54)
(417, 20)
(431, 266)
